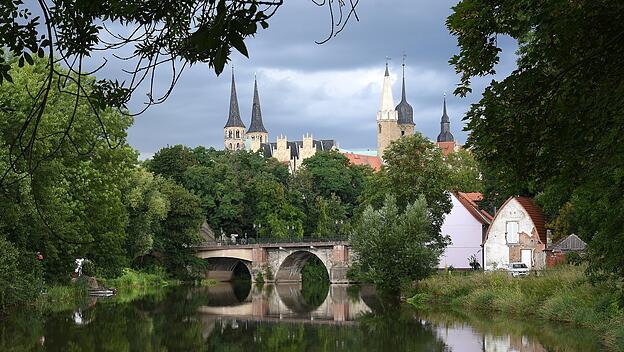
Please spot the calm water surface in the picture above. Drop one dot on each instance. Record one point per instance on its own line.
(275, 318)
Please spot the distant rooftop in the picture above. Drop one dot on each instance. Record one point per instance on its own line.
(368, 152)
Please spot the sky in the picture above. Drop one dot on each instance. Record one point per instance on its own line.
(331, 90)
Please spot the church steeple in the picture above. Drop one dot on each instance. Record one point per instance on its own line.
(386, 108)
(234, 119)
(445, 126)
(404, 110)
(256, 131)
(234, 129)
(256, 114)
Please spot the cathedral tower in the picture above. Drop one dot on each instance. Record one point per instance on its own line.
(446, 141)
(405, 112)
(234, 130)
(445, 127)
(387, 117)
(256, 131)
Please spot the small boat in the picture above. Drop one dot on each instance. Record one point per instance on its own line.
(102, 292)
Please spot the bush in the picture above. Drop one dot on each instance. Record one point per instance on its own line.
(21, 275)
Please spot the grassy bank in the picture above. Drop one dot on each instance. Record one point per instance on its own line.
(561, 295)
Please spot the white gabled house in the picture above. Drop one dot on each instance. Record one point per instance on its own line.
(517, 234)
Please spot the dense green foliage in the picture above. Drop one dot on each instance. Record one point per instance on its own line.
(395, 246)
(414, 167)
(20, 275)
(563, 295)
(554, 127)
(239, 189)
(465, 173)
(88, 198)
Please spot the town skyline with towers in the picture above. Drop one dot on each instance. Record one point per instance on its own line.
(393, 121)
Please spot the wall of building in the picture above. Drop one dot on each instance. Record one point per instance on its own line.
(498, 252)
(466, 234)
(234, 138)
(389, 132)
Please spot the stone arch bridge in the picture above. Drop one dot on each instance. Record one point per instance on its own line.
(278, 262)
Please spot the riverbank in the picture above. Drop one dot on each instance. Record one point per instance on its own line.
(132, 284)
(561, 295)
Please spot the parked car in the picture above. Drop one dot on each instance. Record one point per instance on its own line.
(518, 269)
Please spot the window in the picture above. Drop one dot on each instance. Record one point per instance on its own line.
(230, 134)
(402, 133)
(379, 128)
(260, 139)
(230, 146)
(237, 146)
(512, 232)
(237, 134)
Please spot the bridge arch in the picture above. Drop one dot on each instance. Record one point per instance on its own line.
(224, 268)
(289, 269)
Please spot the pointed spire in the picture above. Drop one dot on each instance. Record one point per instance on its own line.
(445, 126)
(386, 107)
(234, 119)
(256, 114)
(404, 110)
(445, 117)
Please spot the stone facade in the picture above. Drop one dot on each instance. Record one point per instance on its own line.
(234, 138)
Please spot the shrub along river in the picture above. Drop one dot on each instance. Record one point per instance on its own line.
(284, 317)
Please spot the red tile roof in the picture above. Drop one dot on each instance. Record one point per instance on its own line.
(536, 215)
(359, 159)
(468, 200)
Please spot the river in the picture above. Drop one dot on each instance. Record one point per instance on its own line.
(239, 317)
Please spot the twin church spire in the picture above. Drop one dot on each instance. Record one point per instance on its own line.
(235, 134)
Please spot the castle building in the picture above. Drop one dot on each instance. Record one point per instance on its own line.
(256, 138)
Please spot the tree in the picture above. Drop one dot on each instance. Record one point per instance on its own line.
(332, 174)
(172, 162)
(464, 172)
(395, 247)
(147, 208)
(554, 126)
(414, 167)
(71, 204)
(180, 231)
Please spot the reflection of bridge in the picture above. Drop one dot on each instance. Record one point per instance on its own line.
(286, 303)
(279, 262)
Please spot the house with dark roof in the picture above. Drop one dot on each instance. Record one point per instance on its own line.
(466, 226)
(517, 234)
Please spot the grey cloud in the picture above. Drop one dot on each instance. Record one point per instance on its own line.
(197, 110)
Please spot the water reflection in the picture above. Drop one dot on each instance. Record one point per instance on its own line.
(276, 318)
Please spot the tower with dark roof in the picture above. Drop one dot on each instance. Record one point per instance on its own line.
(234, 129)
(405, 112)
(445, 127)
(256, 129)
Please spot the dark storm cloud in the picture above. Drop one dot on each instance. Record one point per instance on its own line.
(330, 90)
